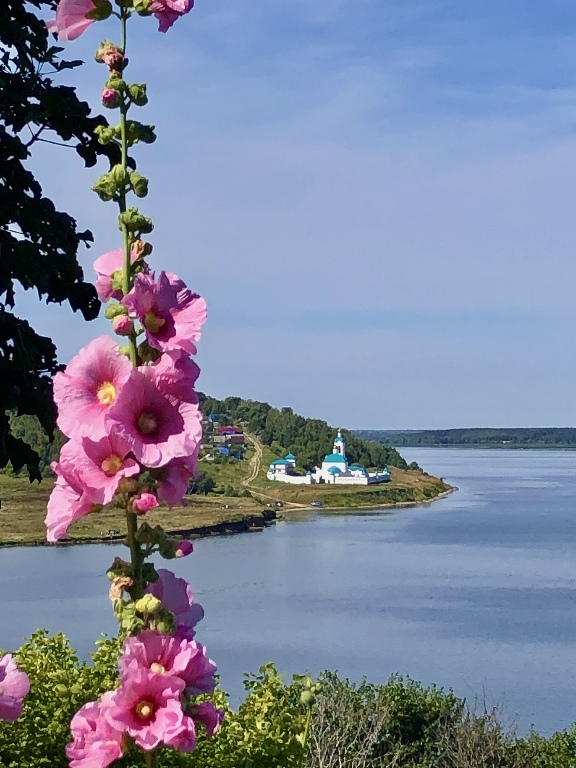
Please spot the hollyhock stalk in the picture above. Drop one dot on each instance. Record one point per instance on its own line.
(136, 553)
(135, 432)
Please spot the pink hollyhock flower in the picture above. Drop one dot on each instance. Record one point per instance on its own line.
(184, 548)
(99, 465)
(90, 385)
(167, 11)
(148, 708)
(176, 596)
(210, 717)
(14, 685)
(96, 744)
(122, 325)
(169, 655)
(71, 19)
(144, 502)
(69, 501)
(177, 373)
(157, 427)
(105, 266)
(174, 478)
(171, 314)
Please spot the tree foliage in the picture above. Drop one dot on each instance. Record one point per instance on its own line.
(481, 437)
(309, 439)
(38, 243)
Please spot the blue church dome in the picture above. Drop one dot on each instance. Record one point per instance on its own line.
(335, 457)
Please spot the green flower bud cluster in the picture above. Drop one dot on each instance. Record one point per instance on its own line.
(115, 310)
(134, 222)
(136, 131)
(310, 689)
(157, 538)
(115, 183)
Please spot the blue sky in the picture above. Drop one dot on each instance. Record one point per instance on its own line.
(375, 198)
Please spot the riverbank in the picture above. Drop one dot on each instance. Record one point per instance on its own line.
(23, 507)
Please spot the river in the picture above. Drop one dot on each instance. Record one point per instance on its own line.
(474, 592)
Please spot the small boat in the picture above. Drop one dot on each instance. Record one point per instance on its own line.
(316, 504)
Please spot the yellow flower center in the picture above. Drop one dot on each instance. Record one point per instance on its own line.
(106, 393)
(152, 322)
(111, 465)
(147, 423)
(144, 710)
(158, 668)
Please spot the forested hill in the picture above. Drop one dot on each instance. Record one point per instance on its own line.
(521, 437)
(283, 430)
(308, 439)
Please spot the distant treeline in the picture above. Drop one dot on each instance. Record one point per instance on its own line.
(520, 437)
(308, 439)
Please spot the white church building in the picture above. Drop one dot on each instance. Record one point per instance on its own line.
(335, 469)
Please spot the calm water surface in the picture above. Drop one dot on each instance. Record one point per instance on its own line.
(475, 592)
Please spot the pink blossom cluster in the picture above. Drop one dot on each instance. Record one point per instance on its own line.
(160, 676)
(14, 685)
(73, 17)
(123, 420)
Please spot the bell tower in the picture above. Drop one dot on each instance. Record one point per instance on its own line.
(340, 444)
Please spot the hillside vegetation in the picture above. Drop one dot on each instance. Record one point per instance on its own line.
(308, 439)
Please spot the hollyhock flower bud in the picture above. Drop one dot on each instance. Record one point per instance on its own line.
(183, 549)
(144, 502)
(123, 325)
(111, 55)
(96, 744)
(148, 604)
(110, 98)
(14, 685)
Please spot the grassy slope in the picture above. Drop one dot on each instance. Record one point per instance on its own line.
(23, 506)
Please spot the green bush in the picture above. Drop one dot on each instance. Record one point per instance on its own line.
(401, 723)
